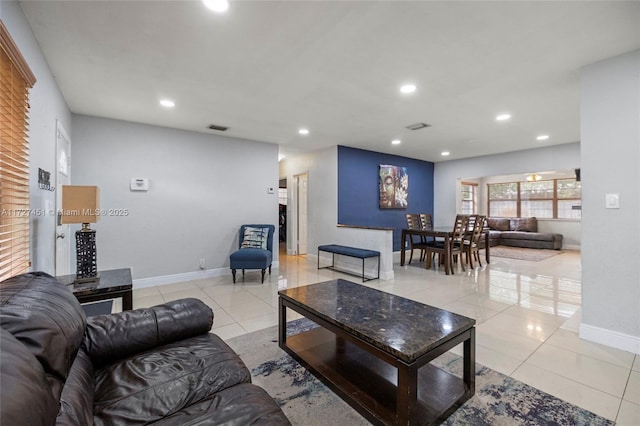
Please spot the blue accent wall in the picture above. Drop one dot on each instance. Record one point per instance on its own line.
(358, 190)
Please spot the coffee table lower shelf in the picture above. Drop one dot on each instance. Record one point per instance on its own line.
(369, 384)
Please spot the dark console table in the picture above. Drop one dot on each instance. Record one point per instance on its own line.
(111, 285)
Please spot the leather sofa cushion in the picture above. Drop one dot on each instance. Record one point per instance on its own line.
(46, 317)
(76, 401)
(109, 338)
(534, 236)
(498, 224)
(244, 404)
(526, 224)
(151, 385)
(26, 398)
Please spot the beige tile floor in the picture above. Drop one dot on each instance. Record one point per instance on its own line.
(527, 316)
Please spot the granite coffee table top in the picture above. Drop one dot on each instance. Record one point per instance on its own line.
(401, 327)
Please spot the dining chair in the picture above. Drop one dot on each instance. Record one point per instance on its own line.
(472, 240)
(426, 221)
(413, 222)
(456, 244)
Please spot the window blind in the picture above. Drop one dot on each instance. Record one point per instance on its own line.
(15, 81)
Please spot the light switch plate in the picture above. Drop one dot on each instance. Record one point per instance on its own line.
(612, 201)
(270, 190)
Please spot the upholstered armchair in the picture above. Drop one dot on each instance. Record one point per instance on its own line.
(255, 249)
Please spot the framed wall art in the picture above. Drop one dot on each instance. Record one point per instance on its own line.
(394, 187)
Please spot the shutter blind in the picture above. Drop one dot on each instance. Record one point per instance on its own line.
(15, 81)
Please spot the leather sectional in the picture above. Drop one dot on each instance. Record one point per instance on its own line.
(520, 232)
(156, 365)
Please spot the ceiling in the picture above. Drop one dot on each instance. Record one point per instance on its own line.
(267, 68)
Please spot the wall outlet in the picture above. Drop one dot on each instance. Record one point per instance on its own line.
(202, 264)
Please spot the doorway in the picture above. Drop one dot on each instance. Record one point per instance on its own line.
(63, 177)
(282, 215)
(298, 213)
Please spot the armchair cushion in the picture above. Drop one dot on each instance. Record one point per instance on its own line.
(179, 374)
(112, 337)
(26, 398)
(51, 331)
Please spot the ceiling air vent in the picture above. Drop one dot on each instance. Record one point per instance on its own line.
(418, 126)
(216, 127)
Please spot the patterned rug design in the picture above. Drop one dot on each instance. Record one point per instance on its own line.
(521, 253)
(499, 399)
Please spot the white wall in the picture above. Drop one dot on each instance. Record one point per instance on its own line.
(322, 169)
(47, 106)
(448, 173)
(610, 129)
(202, 189)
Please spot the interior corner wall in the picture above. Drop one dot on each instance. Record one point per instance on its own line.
(47, 106)
(202, 188)
(610, 129)
(321, 169)
(359, 190)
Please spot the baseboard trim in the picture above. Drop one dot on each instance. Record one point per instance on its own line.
(614, 339)
(186, 276)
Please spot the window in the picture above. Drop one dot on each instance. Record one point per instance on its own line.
(15, 81)
(569, 199)
(282, 196)
(503, 199)
(536, 199)
(553, 199)
(469, 197)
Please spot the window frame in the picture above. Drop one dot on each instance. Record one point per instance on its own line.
(474, 197)
(519, 199)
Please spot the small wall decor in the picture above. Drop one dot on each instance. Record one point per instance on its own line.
(44, 180)
(394, 187)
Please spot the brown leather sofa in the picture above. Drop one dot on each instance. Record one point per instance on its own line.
(157, 365)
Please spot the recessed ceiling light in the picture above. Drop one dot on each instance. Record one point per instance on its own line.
(408, 88)
(303, 131)
(542, 137)
(396, 142)
(167, 103)
(445, 153)
(503, 117)
(218, 6)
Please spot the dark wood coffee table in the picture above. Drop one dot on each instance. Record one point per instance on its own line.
(112, 284)
(373, 349)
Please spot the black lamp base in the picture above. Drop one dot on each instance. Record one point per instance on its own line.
(86, 256)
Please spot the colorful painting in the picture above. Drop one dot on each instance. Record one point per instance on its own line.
(394, 187)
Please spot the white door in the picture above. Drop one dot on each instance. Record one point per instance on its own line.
(63, 173)
(302, 212)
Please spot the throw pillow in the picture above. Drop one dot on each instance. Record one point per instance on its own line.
(255, 238)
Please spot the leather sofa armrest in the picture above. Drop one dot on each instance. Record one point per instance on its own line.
(109, 338)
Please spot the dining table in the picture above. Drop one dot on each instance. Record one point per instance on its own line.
(446, 233)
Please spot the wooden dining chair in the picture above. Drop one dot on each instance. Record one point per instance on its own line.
(472, 240)
(426, 221)
(456, 244)
(413, 222)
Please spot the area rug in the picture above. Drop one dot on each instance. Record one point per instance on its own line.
(521, 253)
(499, 400)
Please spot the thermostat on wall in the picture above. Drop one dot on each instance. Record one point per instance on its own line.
(139, 184)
